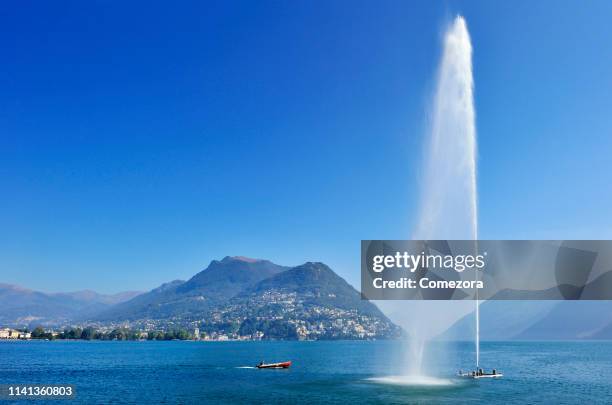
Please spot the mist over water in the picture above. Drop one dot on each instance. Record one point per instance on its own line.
(448, 203)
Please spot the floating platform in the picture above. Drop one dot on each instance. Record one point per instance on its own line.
(480, 374)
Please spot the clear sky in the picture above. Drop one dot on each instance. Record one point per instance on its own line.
(139, 142)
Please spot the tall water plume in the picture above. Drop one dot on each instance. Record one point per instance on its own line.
(448, 198)
(448, 204)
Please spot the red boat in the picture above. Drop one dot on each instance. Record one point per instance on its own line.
(285, 364)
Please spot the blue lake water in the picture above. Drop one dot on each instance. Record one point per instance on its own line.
(322, 372)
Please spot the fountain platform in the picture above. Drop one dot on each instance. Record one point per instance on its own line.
(477, 374)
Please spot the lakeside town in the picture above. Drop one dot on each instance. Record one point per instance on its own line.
(267, 316)
(90, 333)
(302, 332)
(254, 329)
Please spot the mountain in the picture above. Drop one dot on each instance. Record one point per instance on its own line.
(316, 284)
(571, 320)
(307, 302)
(226, 278)
(604, 333)
(23, 307)
(236, 297)
(94, 297)
(537, 320)
(219, 282)
(247, 298)
(499, 320)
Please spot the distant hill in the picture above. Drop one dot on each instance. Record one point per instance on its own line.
(94, 297)
(499, 320)
(236, 297)
(23, 307)
(317, 284)
(226, 278)
(604, 333)
(240, 296)
(537, 320)
(219, 282)
(572, 320)
(308, 301)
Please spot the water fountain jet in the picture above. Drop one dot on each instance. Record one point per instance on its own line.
(448, 205)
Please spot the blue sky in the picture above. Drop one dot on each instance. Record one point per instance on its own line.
(138, 142)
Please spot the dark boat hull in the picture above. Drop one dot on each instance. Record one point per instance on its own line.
(285, 364)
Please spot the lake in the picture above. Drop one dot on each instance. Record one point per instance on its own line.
(322, 372)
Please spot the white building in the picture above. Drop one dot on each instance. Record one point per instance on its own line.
(8, 333)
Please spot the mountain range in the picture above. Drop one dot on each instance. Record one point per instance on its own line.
(536, 320)
(219, 282)
(22, 307)
(236, 296)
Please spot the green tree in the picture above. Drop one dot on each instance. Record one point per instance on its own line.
(72, 333)
(88, 333)
(117, 334)
(182, 335)
(38, 333)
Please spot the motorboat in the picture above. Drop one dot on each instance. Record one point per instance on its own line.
(285, 364)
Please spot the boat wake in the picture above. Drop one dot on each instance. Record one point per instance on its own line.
(246, 367)
(408, 380)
